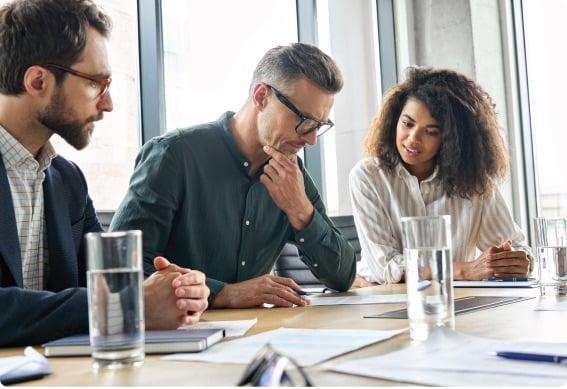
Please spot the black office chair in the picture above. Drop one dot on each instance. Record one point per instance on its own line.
(289, 263)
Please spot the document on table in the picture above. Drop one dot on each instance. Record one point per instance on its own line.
(552, 305)
(307, 346)
(448, 358)
(31, 365)
(351, 300)
(231, 327)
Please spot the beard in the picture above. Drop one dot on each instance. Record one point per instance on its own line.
(59, 119)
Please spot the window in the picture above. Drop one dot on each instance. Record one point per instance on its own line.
(108, 161)
(211, 49)
(547, 81)
(347, 31)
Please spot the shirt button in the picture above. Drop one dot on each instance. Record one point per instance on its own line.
(315, 264)
(245, 164)
(243, 263)
(247, 222)
(301, 240)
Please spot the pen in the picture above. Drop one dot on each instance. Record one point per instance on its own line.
(532, 357)
(301, 292)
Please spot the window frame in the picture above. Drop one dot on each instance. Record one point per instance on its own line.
(527, 165)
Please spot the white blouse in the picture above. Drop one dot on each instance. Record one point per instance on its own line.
(380, 199)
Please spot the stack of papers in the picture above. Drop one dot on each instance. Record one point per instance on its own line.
(307, 346)
(449, 358)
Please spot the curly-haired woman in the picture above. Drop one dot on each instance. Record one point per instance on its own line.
(435, 149)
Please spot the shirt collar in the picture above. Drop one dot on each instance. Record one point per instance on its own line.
(402, 171)
(15, 155)
(223, 122)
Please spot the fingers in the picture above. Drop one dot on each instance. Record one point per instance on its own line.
(276, 301)
(509, 254)
(286, 281)
(507, 246)
(161, 263)
(512, 272)
(267, 181)
(287, 294)
(193, 277)
(271, 172)
(280, 157)
(192, 318)
(499, 266)
(188, 318)
(191, 305)
(192, 292)
(282, 299)
(495, 249)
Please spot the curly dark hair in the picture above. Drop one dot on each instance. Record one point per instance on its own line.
(473, 156)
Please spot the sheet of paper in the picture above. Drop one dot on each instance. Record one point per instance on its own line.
(231, 327)
(321, 289)
(495, 284)
(8, 364)
(307, 346)
(348, 300)
(449, 358)
(552, 306)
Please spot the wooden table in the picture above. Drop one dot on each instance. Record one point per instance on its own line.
(516, 321)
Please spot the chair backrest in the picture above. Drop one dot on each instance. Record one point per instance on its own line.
(290, 264)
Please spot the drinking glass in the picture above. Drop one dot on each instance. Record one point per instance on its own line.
(429, 273)
(115, 295)
(551, 248)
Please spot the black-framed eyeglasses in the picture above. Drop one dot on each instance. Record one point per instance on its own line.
(270, 368)
(100, 84)
(306, 125)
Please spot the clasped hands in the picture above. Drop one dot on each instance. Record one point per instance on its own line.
(173, 296)
(496, 261)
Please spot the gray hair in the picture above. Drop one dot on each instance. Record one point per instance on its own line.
(283, 65)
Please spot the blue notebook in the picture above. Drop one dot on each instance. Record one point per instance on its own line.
(157, 342)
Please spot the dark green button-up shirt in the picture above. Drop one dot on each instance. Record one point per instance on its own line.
(196, 203)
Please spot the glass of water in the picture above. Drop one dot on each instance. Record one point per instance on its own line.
(116, 305)
(551, 247)
(429, 273)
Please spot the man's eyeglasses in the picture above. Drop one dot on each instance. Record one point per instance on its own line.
(270, 368)
(99, 84)
(306, 125)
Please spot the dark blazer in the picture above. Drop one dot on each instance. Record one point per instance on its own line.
(30, 317)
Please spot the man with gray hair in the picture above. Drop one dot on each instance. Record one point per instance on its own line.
(224, 197)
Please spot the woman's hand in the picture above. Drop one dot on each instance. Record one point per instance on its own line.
(496, 261)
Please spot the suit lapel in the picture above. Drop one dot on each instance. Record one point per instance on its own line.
(63, 271)
(9, 241)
